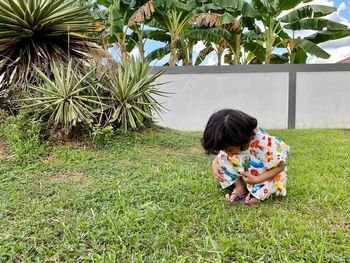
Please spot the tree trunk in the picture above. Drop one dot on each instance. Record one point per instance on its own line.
(219, 52)
(190, 55)
(123, 49)
(268, 52)
(291, 57)
(140, 44)
(142, 52)
(172, 61)
(270, 40)
(238, 50)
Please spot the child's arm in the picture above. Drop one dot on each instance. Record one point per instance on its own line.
(250, 179)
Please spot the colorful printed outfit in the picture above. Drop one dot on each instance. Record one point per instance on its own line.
(264, 153)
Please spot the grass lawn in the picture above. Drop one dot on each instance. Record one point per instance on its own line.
(150, 197)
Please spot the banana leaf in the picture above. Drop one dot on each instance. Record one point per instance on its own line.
(203, 54)
(256, 49)
(310, 11)
(237, 5)
(207, 8)
(158, 53)
(263, 7)
(282, 5)
(324, 36)
(204, 35)
(315, 24)
(162, 5)
(279, 58)
(227, 18)
(300, 57)
(311, 48)
(116, 20)
(249, 11)
(158, 35)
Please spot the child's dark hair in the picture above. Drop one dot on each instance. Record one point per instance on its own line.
(226, 128)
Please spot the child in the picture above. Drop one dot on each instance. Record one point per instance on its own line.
(249, 158)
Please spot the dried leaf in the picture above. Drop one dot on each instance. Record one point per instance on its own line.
(223, 42)
(142, 14)
(206, 19)
(234, 26)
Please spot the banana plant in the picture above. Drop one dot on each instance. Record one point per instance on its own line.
(170, 18)
(230, 19)
(184, 45)
(140, 35)
(123, 18)
(177, 21)
(309, 17)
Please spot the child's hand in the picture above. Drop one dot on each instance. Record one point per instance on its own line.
(249, 179)
(268, 174)
(217, 171)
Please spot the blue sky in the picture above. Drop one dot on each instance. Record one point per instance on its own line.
(346, 12)
(338, 49)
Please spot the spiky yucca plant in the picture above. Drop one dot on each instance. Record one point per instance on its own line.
(133, 95)
(38, 32)
(66, 99)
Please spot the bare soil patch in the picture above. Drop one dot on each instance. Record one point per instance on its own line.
(4, 149)
(68, 175)
(185, 150)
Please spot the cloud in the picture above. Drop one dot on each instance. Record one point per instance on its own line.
(135, 52)
(212, 59)
(342, 7)
(198, 47)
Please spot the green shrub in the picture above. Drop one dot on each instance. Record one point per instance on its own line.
(23, 136)
(102, 134)
(96, 102)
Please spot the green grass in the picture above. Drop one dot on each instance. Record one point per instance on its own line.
(150, 197)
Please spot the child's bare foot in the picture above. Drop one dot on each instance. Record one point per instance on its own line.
(251, 200)
(236, 195)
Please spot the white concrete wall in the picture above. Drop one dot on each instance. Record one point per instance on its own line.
(196, 96)
(322, 95)
(323, 100)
